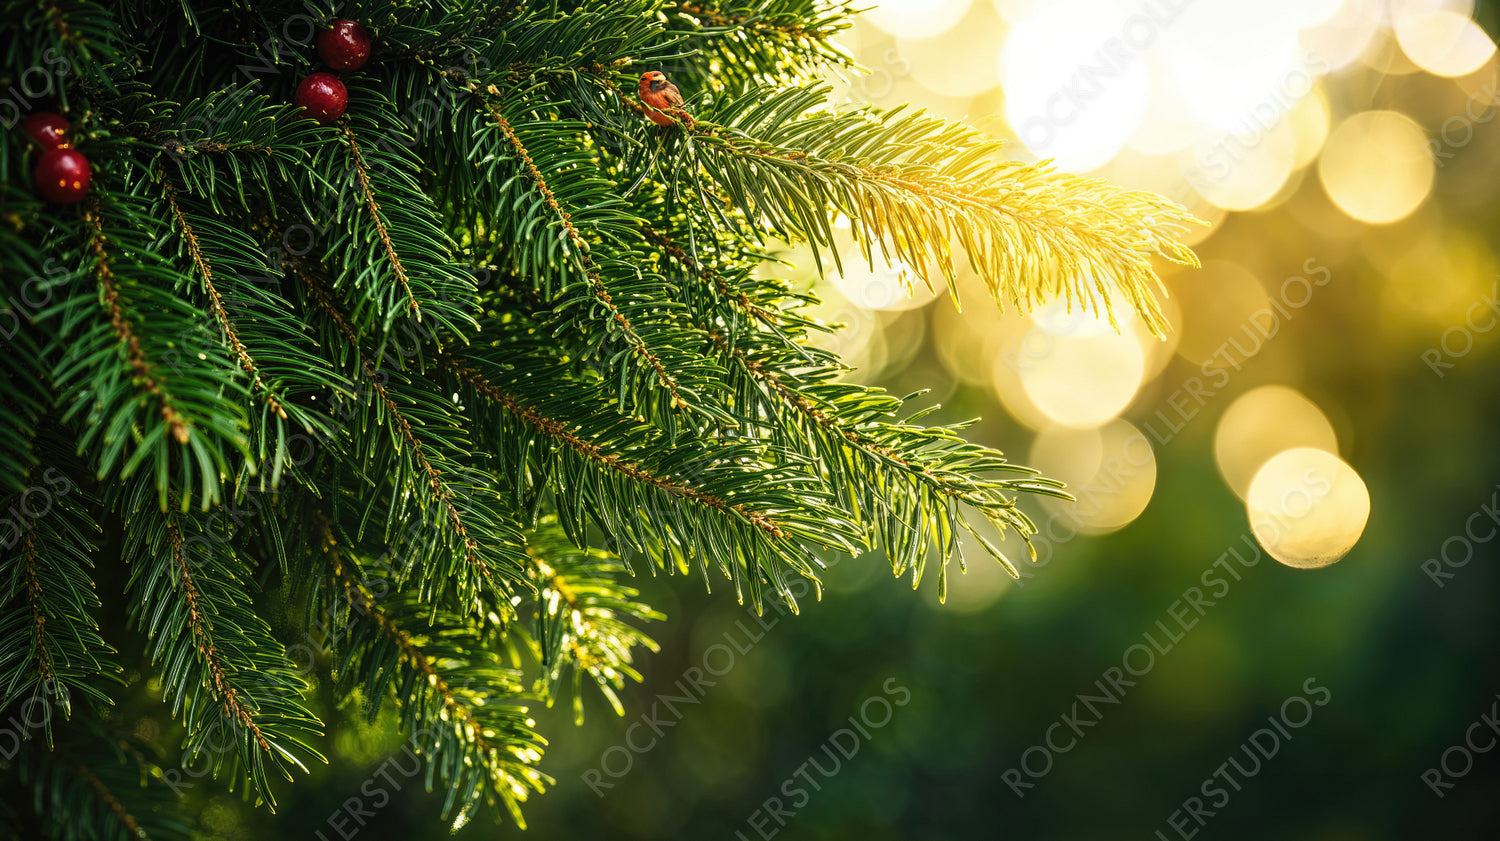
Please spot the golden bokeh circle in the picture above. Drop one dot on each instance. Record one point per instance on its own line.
(1261, 423)
(1442, 42)
(1110, 471)
(1307, 507)
(1080, 381)
(1219, 324)
(1376, 167)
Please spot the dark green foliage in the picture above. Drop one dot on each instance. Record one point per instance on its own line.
(94, 783)
(50, 646)
(224, 675)
(389, 385)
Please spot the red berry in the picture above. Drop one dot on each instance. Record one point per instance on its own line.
(324, 97)
(344, 46)
(62, 176)
(48, 129)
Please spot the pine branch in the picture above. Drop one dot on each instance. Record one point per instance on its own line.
(916, 185)
(96, 785)
(581, 626)
(216, 303)
(50, 646)
(735, 43)
(145, 372)
(489, 559)
(703, 272)
(377, 207)
(565, 228)
(779, 511)
(238, 135)
(625, 370)
(554, 429)
(363, 172)
(273, 347)
(22, 395)
(222, 667)
(456, 701)
(127, 820)
(762, 18)
(903, 481)
(600, 293)
(128, 373)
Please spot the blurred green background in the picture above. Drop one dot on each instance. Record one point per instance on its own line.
(1346, 154)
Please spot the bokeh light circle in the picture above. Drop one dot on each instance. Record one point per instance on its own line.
(1075, 83)
(1062, 318)
(1443, 43)
(1244, 171)
(1111, 473)
(1261, 423)
(916, 18)
(1310, 122)
(1224, 314)
(1342, 38)
(1434, 277)
(1231, 61)
(1307, 507)
(1080, 381)
(961, 63)
(887, 285)
(1376, 168)
(1009, 354)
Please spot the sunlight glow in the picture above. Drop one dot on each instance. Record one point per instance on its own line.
(1081, 381)
(1075, 83)
(1111, 473)
(1261, 423)
(1376, 168)
(1443, 43)
(959, 64)
(1308, 508)
(916, 18)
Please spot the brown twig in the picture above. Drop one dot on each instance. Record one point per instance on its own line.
(434, 476)
(114, 804)
(216, 303)
(203, 633)
(38, 615)
(374, 208)
(144, 371)
(556, 430)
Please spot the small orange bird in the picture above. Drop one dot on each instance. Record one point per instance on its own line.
(663, 100)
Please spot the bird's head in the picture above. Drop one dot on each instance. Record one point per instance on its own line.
(653, 80)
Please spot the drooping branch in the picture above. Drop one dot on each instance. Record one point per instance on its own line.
(356, 593)
(202, 629)
(374, 207)
(216, 302)
(435, 478)
(145, 372)
(581, 612)
(454, 693)
(590, 270)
